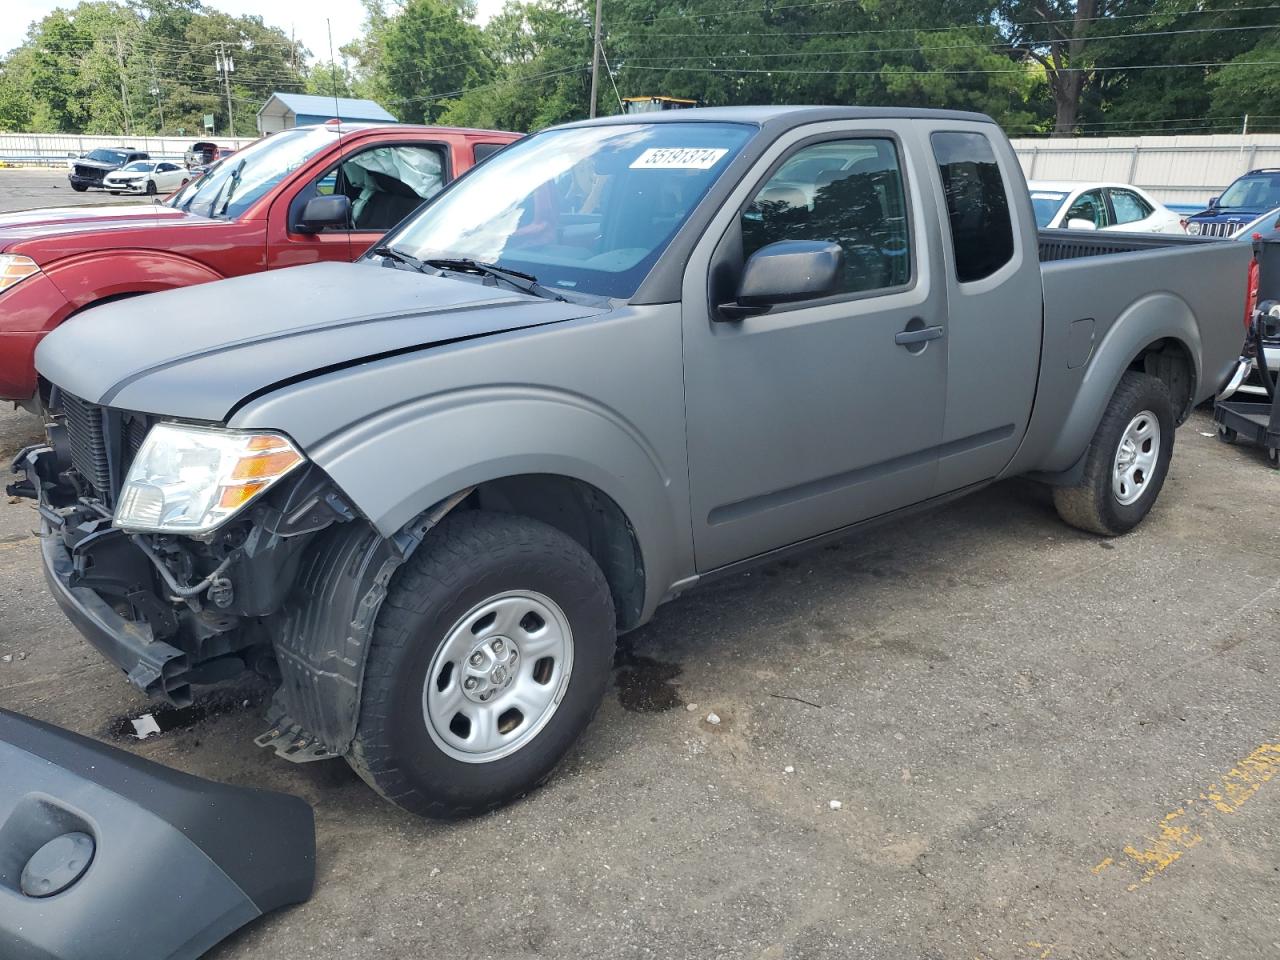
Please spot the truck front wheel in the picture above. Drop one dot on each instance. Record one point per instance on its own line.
(490, 656)
(1126, 462)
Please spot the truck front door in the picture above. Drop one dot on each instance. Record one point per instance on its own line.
(385, 183)
(816, 415)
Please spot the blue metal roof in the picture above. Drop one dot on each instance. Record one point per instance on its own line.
(348, 108)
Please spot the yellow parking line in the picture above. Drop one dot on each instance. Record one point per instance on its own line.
(1179, 831)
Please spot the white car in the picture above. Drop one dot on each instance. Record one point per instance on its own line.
(1100, 206)
(154, 177)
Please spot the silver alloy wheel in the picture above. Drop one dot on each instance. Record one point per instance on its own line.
(1136, 458)
(499, 676)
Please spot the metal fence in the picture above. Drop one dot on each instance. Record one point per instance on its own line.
(1178, 170)
(53, 149)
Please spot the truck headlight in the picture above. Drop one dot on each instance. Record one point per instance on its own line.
(14, 269)
(188, 479)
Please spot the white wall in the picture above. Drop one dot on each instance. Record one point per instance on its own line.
(51, 149)
(1173, 169)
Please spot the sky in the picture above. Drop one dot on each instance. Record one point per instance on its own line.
(306, 18)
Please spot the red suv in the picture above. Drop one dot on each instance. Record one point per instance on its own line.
(309, 193)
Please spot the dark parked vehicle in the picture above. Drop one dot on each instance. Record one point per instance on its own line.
(1247, 198)
(423, 492)
(205, 154)
(88, 171)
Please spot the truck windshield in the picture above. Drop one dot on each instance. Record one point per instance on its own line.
(1254, 192)
(106, 156)
(1046, 204)
(586, 209)
(231, 187)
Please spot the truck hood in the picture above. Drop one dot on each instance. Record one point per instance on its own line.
(61, 221)
(197, 352)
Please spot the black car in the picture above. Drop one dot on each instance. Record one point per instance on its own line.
(87, 171)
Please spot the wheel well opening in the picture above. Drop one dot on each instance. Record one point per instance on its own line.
(587, 515)
(1170, 360)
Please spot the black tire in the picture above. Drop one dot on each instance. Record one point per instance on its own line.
(151, 188)
(114, 193)
(469, 557)
(1092, 504)
(79, 187)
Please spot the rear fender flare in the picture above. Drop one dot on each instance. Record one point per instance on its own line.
(1148, 320)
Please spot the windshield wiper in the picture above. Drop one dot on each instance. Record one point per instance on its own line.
(397, 256)
(232, 182)
(516, 278)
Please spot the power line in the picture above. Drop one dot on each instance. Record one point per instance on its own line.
(845, 51)
(775, 70)
(733, 11)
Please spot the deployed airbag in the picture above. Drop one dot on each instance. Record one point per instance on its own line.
(106, 856)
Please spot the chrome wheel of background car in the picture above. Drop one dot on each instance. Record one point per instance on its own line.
(498, 677)
(1136, 457)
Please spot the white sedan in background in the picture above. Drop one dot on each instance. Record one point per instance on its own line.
(154, 177)
(1100, 206)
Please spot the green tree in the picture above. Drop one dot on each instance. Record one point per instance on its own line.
(540, 51)
(430, 49)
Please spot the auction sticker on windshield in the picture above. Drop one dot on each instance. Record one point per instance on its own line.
(678, 158)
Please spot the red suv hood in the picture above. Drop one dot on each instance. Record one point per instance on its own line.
(64, 221)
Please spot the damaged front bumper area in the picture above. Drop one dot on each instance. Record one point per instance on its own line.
(171, 611)
(106, 856)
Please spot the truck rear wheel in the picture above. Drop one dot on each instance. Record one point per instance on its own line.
(490, 656)
(1126, 462)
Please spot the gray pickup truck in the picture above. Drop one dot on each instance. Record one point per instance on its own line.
(424, 492)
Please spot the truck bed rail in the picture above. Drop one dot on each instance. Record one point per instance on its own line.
(1074, 244)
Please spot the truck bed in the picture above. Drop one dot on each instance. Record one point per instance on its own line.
(1094, 286)
(1074, 244)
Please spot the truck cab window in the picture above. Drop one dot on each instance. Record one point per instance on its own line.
(977, 204)
(847, 191)
(385, 184)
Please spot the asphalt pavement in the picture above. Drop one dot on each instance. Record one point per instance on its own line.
(30, 188)
(1041, 745)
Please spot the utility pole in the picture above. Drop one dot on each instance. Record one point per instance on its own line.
(595, 59)
(226, 66)
(155, 92)
(124, 90)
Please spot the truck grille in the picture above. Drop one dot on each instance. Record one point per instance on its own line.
(86, 433)
(90, 429)
(89, 173)
(1219, 229)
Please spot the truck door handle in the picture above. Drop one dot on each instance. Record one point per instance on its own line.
(913, 335)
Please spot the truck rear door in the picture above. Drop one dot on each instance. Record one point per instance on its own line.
(993, 296)
(815, 415)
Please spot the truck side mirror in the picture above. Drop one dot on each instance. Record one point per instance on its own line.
(1079, 223)
(1213, 203)
(321, 212)
(788, 271)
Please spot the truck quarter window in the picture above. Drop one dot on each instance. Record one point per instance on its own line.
(977, 204)
(848, 191)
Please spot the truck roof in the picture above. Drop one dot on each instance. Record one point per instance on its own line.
(785, 116)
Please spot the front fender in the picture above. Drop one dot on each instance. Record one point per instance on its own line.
(87, 278)
(402, 461)
(1149, 319)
